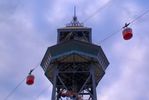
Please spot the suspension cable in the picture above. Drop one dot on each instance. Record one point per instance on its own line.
(144, 13)
(43, 91)
(19, 84)
(97, 11)
(131, 22)
(13, 90)
(126, 24)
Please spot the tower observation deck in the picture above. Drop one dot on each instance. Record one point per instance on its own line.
(74, 65)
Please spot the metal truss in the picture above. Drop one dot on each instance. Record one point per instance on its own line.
(74, 81)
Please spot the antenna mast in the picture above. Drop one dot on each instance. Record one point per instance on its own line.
(74, 17)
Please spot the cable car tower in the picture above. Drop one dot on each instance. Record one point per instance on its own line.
(74, 65)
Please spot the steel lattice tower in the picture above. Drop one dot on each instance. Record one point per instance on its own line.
(74, 65)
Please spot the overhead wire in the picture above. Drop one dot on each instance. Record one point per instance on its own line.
(19, 84)
(144, 13)
(97, 11)
(126, 24)
(110, 36)
(131, 22)
(35, 67)
(13, 90)
(104, 6)
(22, 81)
(43, 91)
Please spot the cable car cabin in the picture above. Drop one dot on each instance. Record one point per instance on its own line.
(127, 33)
(30, 79)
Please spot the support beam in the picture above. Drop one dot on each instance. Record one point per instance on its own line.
(93, 82)
(54, 85)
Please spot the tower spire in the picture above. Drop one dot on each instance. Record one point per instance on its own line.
(74, 22)
(74, 17)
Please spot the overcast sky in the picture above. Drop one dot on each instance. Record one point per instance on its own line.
(28, 27)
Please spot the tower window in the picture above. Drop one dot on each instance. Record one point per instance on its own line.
(76, 35)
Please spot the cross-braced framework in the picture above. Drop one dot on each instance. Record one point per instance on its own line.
(75, 73)
(74, 81)
(74, 65)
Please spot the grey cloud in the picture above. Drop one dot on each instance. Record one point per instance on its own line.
(26, 32)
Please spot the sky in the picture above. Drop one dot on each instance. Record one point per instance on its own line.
(29, 27)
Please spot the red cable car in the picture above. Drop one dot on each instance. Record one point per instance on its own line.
(127, 33)
(30, 79)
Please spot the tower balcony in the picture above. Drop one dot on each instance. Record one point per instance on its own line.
(77, 52)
